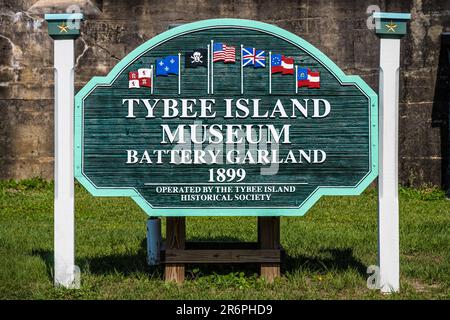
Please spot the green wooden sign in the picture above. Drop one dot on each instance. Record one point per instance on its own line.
(226, 117)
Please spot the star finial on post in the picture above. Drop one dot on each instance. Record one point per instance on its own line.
(64, 25)
(391, 26)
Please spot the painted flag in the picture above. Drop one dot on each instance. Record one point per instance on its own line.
(288, 65)
(167, 65)
(145, 82)
(133, 79)
(302, 77)
(145, 76)
(140, 78)
(282, 64)
(314, 79)
(253, 57)
(222, 52)
(275, 63)
(196, 58)
(308, 78)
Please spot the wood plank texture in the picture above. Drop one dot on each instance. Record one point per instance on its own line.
(222, 256)
(269, 238)
(344, 134)
(175, 239)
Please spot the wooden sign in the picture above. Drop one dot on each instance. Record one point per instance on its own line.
(226, 117)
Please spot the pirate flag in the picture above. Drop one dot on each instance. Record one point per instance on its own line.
(196, 58)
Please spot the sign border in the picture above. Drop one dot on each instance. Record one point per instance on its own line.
(208, 211)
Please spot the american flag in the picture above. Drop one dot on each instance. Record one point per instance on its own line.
(224, 53)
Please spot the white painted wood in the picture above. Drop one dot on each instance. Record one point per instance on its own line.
(64, 233)
(242, 70)
(270, 72)
(151, 79)
(212, 66)
(388, 205)
(208, 67)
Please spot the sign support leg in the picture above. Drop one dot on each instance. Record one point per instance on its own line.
(175, 239)
(269, 238)
(64, 28)
(390, 27)
(388, 206)
(153, 241)
(64, 233)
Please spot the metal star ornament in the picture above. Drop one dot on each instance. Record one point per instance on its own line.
(63, 28)
(391, 27)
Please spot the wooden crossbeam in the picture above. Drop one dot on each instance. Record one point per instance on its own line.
(222, 256)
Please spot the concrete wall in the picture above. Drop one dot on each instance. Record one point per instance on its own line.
(338, 28)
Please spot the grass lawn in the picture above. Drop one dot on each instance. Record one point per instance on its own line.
(328, 250)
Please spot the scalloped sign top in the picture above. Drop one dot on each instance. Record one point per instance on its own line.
(226, 117)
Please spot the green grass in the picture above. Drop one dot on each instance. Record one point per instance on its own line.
(328, 250)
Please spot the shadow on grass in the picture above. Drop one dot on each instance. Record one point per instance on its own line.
(336, 259)
(47, 257)
(124, 264)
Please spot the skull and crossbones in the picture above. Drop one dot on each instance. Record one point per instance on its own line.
(197, 57)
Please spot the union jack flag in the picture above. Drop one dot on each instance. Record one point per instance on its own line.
(222, 52)
(253, 57)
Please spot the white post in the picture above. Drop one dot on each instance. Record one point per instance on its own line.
(64, 233)
(390, 27)
(64, 31)
(388, 208)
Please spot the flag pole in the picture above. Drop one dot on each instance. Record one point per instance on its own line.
(296, 77)
(208, 68)
(212, 66)
(179, 73)
(242, 72)
(270, 72)
(151, 79)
